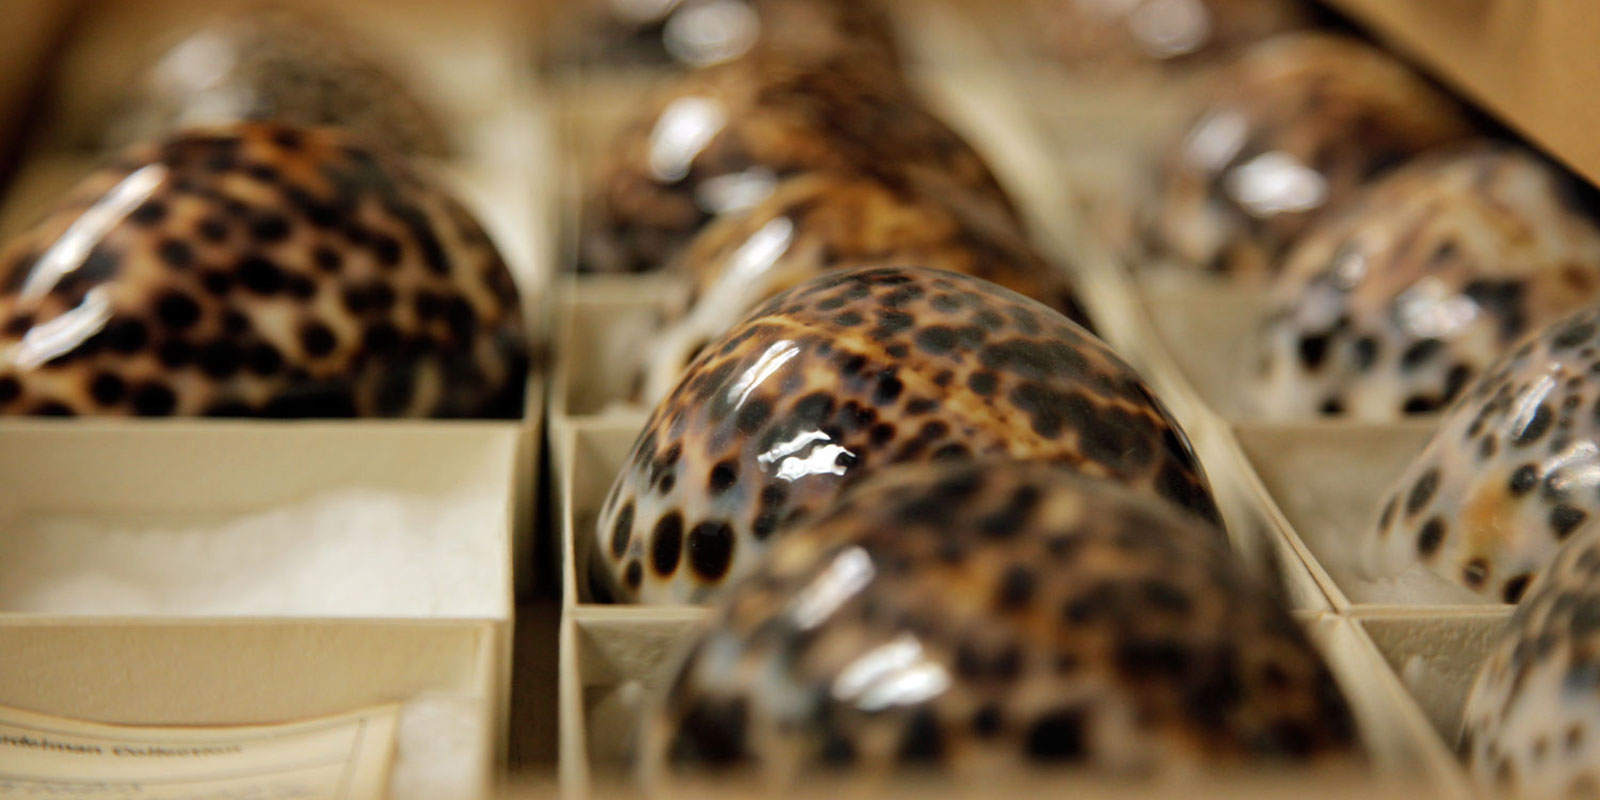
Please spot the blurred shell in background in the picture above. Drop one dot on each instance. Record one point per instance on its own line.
(986, 618)
(1290, 130)
(815, 223)
(1393, 306)
(698, 33)
(1120, 35)
(274, 63)
(720, 139)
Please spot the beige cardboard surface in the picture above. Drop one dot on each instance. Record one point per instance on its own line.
(232, 672)
(1529, 62)
(1330, 480)
(1436, 654)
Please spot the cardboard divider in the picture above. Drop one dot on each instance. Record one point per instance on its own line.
(1436, 654)
(1327, 482)
(118, 533)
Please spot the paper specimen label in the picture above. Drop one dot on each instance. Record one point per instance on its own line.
(334, 758)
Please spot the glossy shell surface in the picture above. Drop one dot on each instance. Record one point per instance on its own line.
(1123, 35)
(259, 269)
(702, 32)
(851, 372)
(1394, 306)
(720, 139)
(1511, 473)
(1531, 726)
(817, 223)
(1290, 129)
(273, 64)
(987, 617)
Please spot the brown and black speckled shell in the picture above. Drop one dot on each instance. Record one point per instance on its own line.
(1296, 110)
(1531, 724)
(277, 65)
(797, 30)
(817, 223)
(1394, 306)
(849, 373)
(1512, 471)
(1098, 37)
(985, 617)
(259, 269)
(772, 119)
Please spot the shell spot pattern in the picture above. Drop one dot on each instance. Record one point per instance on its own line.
(1512, 472)
(259, 269)
(982, 617)
(1394, 306)
(1290, 130)
(789, 405)
(816, 223)
(1531, 724)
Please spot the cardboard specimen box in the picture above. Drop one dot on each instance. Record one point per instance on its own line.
(207, 574)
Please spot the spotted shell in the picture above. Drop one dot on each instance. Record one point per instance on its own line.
(1531, 724)
(1096, 35)
(1513, 470)
(815, 223)
(1392, 307)
(981, 617)
(1291, 129)
(720, 139)
(258, 269)
(853, 371)
(703, 32)
(277, 65)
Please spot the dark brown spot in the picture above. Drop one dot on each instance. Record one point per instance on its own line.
(176, 253)
(1565, 519)
(327, 259)
(1523, 479)
(666, 544)
(1536, 427)
(260, 275)
(622, 531)
(1058, 736)
(723, 476)
(1431, 536)
(711, 550)
(1422, 491)
(107, 389)
(1420, 352)
(317, 339)
(1515, 587)
(983, 383)
(177, 310)
(269, 228)
(1016, 588)
(154, 400)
